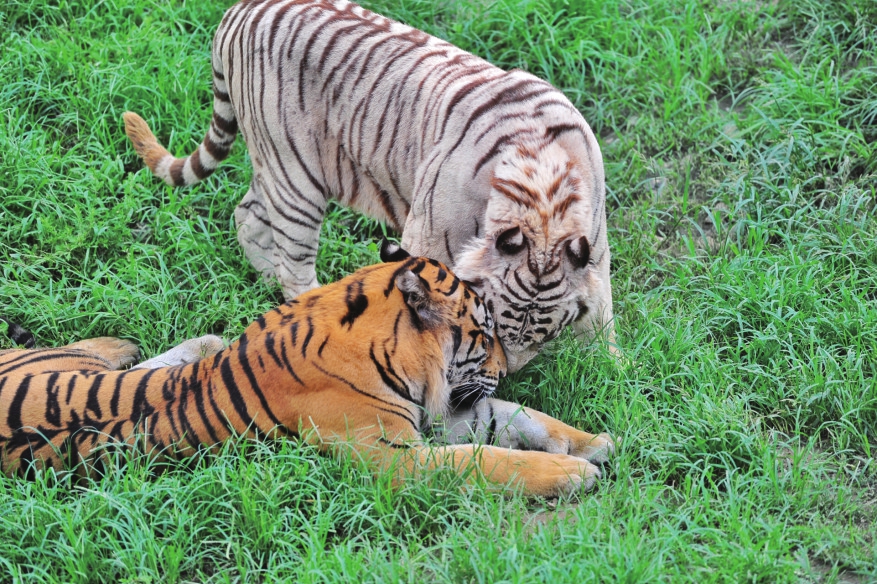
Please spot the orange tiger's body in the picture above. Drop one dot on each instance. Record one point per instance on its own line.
(370, 360)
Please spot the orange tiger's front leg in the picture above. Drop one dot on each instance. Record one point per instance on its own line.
(501, 423)
(391, 447)
(535, 473)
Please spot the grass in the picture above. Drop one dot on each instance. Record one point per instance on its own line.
(739, 142)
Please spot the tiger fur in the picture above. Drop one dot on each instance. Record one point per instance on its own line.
(493, 172)
(371, 361)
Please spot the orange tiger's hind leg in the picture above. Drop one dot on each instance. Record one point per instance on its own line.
(99, 354)
(118, 353)
(541, 474)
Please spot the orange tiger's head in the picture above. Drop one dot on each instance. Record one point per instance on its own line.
(475, 360)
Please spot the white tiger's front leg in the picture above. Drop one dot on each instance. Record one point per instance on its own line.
(599, 319)
(186, 352)
(506, 424)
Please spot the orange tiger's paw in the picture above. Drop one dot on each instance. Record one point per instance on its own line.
(118, 353)
(596, 449)
(557, 475)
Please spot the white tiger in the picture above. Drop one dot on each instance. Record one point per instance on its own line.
(493, 172)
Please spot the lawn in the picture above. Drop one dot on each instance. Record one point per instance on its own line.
(741, 168)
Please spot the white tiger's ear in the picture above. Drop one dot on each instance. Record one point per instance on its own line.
(415, 291)
(393, 252)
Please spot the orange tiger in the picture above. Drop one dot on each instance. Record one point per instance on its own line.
(370, 361)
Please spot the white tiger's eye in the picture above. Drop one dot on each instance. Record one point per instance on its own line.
(578, 251)
(510, 241)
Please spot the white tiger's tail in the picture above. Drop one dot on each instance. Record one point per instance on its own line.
(203, 161)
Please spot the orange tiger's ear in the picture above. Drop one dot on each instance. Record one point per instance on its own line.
(415, 291)
(393, 252)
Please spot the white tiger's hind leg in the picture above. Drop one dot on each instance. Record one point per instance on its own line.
(280, 236)
(255, 233)
(295, 265)
(295, 211)
(186, 352)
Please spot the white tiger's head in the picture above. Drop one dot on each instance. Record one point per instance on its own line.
(540, 264)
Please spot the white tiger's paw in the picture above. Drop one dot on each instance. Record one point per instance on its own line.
(597, 449)
(186, 352)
